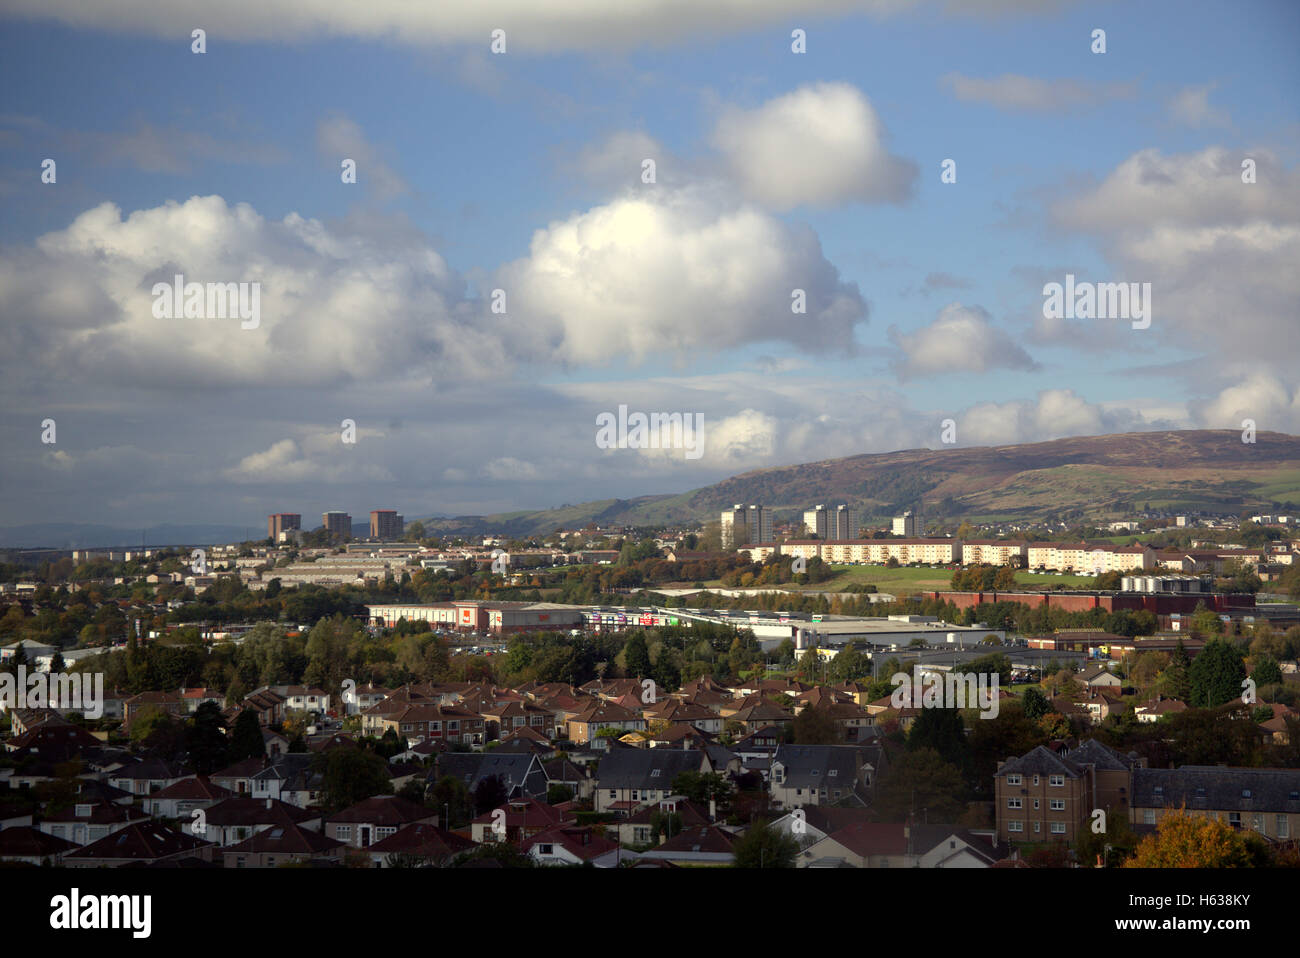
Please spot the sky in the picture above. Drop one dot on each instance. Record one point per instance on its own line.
(507, 266)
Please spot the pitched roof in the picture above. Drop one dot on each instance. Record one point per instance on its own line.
(1247, 790)
(424, 840)
(144, 841)
(1041, 761)
(199, 787)
(872, 838)
(1100, 755)
(255, 811)
(287, 839)
(382, 810)
(646, 768)
(24, 841)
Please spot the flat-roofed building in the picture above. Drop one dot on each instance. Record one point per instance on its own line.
(337, 523)
(279, 522)
(385, 524)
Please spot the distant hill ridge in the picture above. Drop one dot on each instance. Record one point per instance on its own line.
(1183, 470)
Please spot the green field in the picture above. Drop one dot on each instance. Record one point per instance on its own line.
(906, 580)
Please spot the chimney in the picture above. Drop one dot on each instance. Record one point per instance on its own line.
(713, 809)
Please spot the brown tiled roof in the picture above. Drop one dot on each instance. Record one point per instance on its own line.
(145, 841)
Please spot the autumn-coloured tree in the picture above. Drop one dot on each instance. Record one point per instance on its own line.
(1189, 841)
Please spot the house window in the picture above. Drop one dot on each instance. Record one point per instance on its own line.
(1014, 803)
(1057, 780)
(1038, 827)
(1057, 804)
(1234, 819)
(1148, 816)
(1035, 779)
(1015, 826)
(1283, 827)
(1058, 828)
(1013, 779)
(613, 793)
(343, 832)
(1035, 804)
(545, 849)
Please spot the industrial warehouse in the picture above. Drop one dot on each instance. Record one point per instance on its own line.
(770, 629)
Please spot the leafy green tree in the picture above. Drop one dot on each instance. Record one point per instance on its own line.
(1266, 672)
(1216, 675)
(941, 730)
(1177, 679)
(205, 739)
(636, 657)
(350, 775)
(558, 793)
(699, 787)
(1035, 703)
(920, 780)
(489, 793)
(763, 846)
(815, 726)
(451, 799)
(246, 738)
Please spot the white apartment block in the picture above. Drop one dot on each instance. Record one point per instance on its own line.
(878, 551)
(1085, 559)
(817, 522)
(743, 526)
(993, 552)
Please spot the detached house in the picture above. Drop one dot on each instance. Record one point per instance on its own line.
(628, 778)
(374, 819)
(822, 775)
(585, 727)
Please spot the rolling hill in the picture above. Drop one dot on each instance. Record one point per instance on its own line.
(1092, 476)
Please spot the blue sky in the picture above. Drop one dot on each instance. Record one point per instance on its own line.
(521, 171)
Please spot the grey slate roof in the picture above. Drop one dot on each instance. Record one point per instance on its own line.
(815, 766)
(1273, 790)
(522, 769)
(648, 767)
(1105, 758)
(1041, 761)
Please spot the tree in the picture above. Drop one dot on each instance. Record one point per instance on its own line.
(1266, 672)
(205, 739)
(699, 787)
(763, 846)
(636, 657)
(246, 738)
(815, 726)
(350, 775)
(1177, 679)
(921, 780)
(1186, 841)
(941, 730)
(558, 793)
(1216, 675)
(490, 793)
(451, 799)
(1035, 703)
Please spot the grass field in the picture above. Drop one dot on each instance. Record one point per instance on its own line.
(906, 581)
